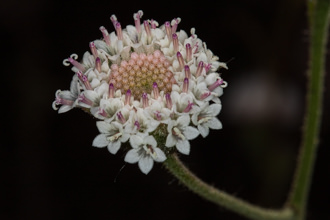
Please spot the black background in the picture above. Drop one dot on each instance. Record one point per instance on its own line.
(50, 169)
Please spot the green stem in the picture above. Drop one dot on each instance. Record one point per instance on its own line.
(185, 176)
(319, 14)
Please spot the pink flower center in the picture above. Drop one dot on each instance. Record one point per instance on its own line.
(140, 73)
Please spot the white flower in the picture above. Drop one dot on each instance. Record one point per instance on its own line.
(179, 134)
(112, 135)
(67, 99)
(206, 118)
(145, 152)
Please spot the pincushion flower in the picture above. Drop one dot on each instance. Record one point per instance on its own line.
(151, 87)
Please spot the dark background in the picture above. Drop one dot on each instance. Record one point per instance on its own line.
(51, 171)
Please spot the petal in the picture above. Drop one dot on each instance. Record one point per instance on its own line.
(132, 156)
(183, 146)
(136, 141)
(146, 164)
(170, 141)
(190, 133)
(214, 123)
(160, 155)
(65, 108)
(183, 120)
(214, 109)
(113, 147)
(204, 130)
(100, 141)
(151, 141)
(103, 127)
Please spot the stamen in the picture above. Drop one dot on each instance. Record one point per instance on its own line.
(207, 67)
(205, 95)
(137, 125)
(113, 19)
(215, 85)
(180, 59)
(156, 90)
(119, 31)
(111, 93)
(82, 98)
(93, 49)
(128, 97)
(187, 71)
(103, 113)
(98, 64)
(84, 80)
(76, 64)
(137, 16)
(168, 101)
(147, 28)
(175, 23)
(153, 24)
(145, 100)
(176, 131)
(189, 107)
(106, 36)
(199, 68)
(168, 30)
(158, 115)
(188, 52)
(121, 117)
(185, 85)
(175, 42)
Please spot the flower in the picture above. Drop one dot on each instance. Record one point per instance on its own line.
(151, 86)
(145, 152)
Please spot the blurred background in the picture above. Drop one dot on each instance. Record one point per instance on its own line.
(51, 171)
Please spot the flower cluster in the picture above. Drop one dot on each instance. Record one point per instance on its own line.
(151, 86)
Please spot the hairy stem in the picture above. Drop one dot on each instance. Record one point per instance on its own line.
(319, 14)
(208, 192)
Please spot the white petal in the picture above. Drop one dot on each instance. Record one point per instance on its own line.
(214, 109)
(151, 141)
(136, 141)
(183, 120)
(160, 155)
(214, 123)
(190, 133)
(132, 156)
(103, 127)
(113, 147)
(204, 130)
(100, 141)
(170, 141)
(183, 146)
(64, 108)
(146, 164)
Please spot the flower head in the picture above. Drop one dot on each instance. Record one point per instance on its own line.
(152, 86)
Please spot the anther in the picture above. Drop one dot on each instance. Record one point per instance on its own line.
(215, 85)
(175, 23)
(187, 71)
(188, 52)
(137, 16)
(119, 31)
(111, 92)
(180, 59)
(121, 117)
(106, 36)
(168, 101)
(156, 90)
(185, 85)
(84, 80)
(168, 30)
(98, 64)
(199, 68)
(145, 100)
(137, 125)
(189, 107)
(128, 97)
(93, 49)
(175, 42)
(76, 64)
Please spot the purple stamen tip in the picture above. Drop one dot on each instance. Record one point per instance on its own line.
(154, 85)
